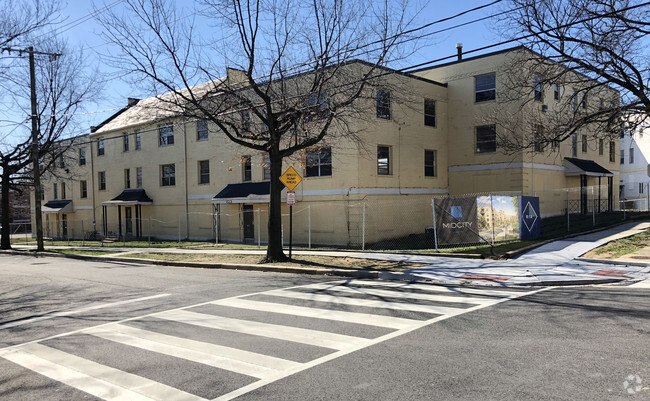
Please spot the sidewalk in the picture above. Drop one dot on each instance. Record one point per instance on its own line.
(556, 263)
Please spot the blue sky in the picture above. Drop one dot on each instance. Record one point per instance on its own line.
(85, 33)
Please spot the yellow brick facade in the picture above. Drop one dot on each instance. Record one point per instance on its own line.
(331, 209)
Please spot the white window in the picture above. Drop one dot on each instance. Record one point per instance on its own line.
(429, 112)
(168, 175)
(82, 156)
(383, 104)
(166, 134)
(125, 141)
(247, 168)
(202, 132)
(538, 88)
(631, 155)
(138, 141)
(383, 160)
(204, 172)
(485, 87)
(127, 178)
(100, 147)
(430, 163)
(319, 162)
(138, 177)
(101, 180)
(486, 139)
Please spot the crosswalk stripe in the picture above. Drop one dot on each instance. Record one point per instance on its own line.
(96, 379)
(184, 353)
(341, 316)
(287, 333)
(431, 288)
(397, 294)
(252, 358)
(372, 303)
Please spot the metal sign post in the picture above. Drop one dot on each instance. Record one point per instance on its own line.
(291, 179)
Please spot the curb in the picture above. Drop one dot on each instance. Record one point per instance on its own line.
(615, 262)
(367, 274)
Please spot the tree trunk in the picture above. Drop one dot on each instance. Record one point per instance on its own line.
(5, 242)
(274, 251)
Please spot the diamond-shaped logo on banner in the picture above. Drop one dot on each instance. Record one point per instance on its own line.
(530, 217)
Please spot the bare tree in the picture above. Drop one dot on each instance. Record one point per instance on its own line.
(277, 77)
(62, 87)
(22, 18)
(594, 48)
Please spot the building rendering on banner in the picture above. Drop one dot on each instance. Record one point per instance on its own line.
(147, 172)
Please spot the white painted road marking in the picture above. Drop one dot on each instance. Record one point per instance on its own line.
(112, 384)
(76, 311)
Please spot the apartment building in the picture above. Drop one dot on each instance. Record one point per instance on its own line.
(146, 172)
(635, 159)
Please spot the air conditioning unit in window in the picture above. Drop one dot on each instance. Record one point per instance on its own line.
(544, 107)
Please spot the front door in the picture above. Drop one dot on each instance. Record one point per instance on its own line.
(249, 223)
(64, 225)
(128, 218)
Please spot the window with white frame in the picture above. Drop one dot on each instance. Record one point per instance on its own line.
(383, 104)
(631, 155)
(538, 95)
(584, 144)
(601, 145)
(622, 156)
(138, 177)
(430, 163)
(100, 147)
(641, 185)
(574, 145)
(486, 139)
(125, 142)
(612, 151)
(83, 189)
(138, 141)
(247, 168)
(127, 178)
(168, 175)
(166, 134)
(202, 132)
(266, 167)
(383, 160)
(485, 87)
(63, 196)
(204, 172)
(101, 180)
(319, 162)
(429, 112)
(82, 156)
(55, 188)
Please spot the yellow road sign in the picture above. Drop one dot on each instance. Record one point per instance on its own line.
(290, 178)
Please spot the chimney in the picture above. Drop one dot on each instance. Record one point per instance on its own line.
(131, 101)
(459, 51)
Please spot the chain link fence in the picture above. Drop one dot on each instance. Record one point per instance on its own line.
(373, 223)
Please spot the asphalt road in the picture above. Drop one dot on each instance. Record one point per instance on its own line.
(117, 331)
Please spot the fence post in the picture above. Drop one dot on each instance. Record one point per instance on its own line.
(83, 234)
(259, 228)
(435, 228)
(492, 217)
(216, 227)
(282, 233)
(179, 230)
(149, 232)
(363, 229)
(593, 209)
(568, 212)
(309, 225)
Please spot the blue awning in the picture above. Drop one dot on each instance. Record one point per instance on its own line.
(131, 197)
(57, 206)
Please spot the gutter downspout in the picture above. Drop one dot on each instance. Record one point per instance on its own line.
(187, 211)
(92, 184)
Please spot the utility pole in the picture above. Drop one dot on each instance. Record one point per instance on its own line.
(38, 217)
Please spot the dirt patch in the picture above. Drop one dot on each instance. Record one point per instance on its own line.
(298, 261)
